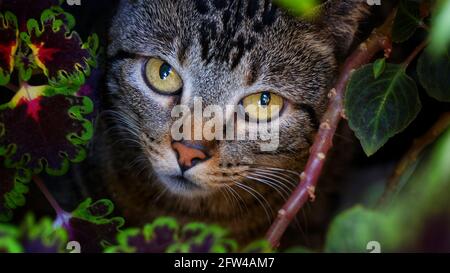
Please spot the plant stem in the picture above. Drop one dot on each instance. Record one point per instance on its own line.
(12, 87)
(43, 188)
(378, 40)
(411, 156)
(414, 54)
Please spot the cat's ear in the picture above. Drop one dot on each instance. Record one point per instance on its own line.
(341, 18)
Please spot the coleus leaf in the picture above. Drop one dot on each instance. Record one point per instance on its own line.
(92, 226)
(60, 53)
(25, 63)
(33, 237)
(29, 9)
(202, 238)
(9, 41)
(166, 235)
(13, 187)
(378, 109)
(152, 238)
(46, 132)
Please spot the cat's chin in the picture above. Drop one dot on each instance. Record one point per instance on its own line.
(183, 187)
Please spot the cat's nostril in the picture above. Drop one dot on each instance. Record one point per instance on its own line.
(188, 155)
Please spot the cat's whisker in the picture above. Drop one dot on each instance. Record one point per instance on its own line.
(160, 195)
(255, 166)
(272, 183)
(278, 176)
(281, 192)
(254, 193)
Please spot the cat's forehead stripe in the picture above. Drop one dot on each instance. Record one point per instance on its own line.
(222, 29)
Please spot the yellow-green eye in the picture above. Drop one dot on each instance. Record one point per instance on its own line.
(263, 106)
(162, 77)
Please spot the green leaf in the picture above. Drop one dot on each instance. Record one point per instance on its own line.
(378, 67)
(9, 34)
(440, 34)
(434, 74)
(298, 7)
(419, 211)
(406, 22)
(33, 237)
(353, 229)
(378, 109)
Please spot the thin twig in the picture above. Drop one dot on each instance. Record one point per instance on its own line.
(378, 40)
(12, 87)
(43, 188)
(416, 52)
(412, 155)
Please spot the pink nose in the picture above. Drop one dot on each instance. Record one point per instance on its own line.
(188, 154)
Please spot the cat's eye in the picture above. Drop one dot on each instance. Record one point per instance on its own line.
(263, 106)
(162, 77)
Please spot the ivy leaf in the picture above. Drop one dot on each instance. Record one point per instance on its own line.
(33, 237)
(90, 226)
(9, 41)
(57, 51)
(406, 22)
(13, 187)
(434, 74)
(46, 132)
(378, 109)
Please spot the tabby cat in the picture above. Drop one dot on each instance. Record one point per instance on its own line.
(164, 53)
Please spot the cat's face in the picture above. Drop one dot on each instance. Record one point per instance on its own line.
(166, 53)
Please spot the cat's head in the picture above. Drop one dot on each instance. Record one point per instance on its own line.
(167, 53)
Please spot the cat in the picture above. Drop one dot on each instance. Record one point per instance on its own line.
(165, 53)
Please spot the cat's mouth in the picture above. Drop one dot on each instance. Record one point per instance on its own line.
(181, 185)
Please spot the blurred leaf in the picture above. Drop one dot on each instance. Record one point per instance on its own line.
(380, 108)
(434, 74)
(298, 7)
(407, 21)
(440, 34)
(418, 219)
(32, 237)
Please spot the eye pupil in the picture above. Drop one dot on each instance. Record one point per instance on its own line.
(265, 99)
(164, 71)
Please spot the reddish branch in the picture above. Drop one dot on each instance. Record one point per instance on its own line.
(378, 40)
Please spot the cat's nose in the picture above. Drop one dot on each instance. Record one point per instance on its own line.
(189, 154)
